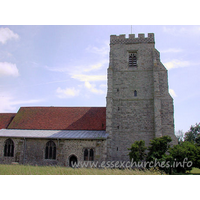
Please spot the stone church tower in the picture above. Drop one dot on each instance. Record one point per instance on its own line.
(139, 106)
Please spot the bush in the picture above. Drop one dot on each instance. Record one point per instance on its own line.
(178, 159)
(158, 148)
(185, 151)
(137, 151)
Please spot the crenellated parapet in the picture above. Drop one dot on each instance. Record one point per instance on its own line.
(121, 39)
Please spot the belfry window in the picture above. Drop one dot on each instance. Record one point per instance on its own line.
(132, 60)
(50, 150)
(88, 155)
(9, 148)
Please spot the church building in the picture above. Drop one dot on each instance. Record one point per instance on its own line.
(138, 107)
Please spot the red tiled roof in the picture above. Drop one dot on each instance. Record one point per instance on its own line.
(60, 118)
(5, 119)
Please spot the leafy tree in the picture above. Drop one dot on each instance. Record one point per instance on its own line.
(158, 153)
(197, 164)
(193, 135)
(158, 148)
(178, 158)
(137, 151)
(185, 156)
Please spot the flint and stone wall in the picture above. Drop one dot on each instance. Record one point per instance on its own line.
(32, 151)
(149, 114)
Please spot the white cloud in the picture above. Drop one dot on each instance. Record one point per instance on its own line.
(7, 34)
(103, 51)
(173, 29)
(92, 88)
(102, 61)
(8, 69)
(79, 72)
(67, 93)
(172, 93)
(95, 66)
(8, 102)
(83, 77)
(79, 68)
(176, 64)
(103, 86)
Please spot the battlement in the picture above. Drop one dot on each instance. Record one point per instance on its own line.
(121, 39)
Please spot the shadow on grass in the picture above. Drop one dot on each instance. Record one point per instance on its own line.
(194, 171)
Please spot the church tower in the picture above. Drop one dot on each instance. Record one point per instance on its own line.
(139, 106)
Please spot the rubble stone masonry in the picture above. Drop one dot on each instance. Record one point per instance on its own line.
(139, 106)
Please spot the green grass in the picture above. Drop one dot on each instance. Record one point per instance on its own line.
(50, 170)
(194, 171)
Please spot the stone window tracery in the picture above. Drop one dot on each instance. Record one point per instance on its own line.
(50, 150)
(88, 155)
(132, 60)
(9, 148)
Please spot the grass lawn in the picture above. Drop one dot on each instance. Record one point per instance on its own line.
(50, 170)
(56, 170)
(194, 171)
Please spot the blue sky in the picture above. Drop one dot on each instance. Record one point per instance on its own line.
(67, 66)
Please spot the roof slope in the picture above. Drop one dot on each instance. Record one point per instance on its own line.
(5, 119)
(60, 118)
(54, 134)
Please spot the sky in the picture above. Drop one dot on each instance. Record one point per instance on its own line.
(66, 65)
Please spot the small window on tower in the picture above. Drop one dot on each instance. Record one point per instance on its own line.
(135, 93)
(132, 60)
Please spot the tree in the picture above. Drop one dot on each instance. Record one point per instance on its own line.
(193, 135)
(158, 153)
(158, 148)
(178, 158)
(180, 136)
(137, 151)
(185, 152)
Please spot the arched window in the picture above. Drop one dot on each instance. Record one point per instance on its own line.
(135, 93)
(9, 148)
(91, 158)
(50, 150)
(86, 154)
(132, 60)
